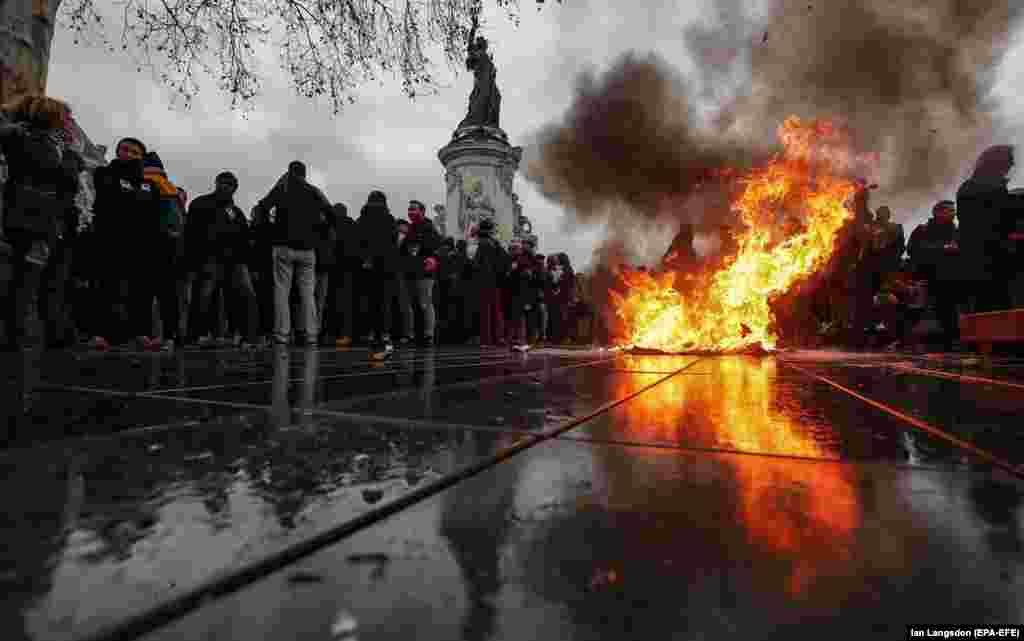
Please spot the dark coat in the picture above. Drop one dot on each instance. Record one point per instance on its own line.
(327, 249)
(984, 211)
(928, 257)
(378, 237)
(489, 263)
(347, 248)
(216, 231)
(127, 209)
(33, 160)
(302, 210)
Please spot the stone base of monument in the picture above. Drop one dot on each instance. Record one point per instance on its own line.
(480, 166)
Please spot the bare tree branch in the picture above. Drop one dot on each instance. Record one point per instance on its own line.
(327, 47)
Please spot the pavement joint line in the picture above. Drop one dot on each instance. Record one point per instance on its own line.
(732, 452)
(330, 377)
(398, 393)
(229, 582)
(963, 378)
(200, 388)
(918, 423)
(448, 364)
(638, 371)
(264, 408)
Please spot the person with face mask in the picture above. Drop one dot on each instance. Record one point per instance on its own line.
(126, 217)
(218, 246)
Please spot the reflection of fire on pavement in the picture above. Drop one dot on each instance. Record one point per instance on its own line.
(806, 512)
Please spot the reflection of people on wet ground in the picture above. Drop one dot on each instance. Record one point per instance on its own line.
(476, 516)
(287, 472)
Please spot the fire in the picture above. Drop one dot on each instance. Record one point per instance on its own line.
(728, 309)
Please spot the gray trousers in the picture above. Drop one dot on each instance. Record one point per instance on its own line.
(417, 293)
(298, 265)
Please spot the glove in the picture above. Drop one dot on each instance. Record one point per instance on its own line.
(430, 264)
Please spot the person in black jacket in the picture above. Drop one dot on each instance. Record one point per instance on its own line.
(301, 211)
(419, 251)
(39, 191)
(985, 211)
(347, 263)
(488, 265)
(217, 241)
(934, 249)
(126, 218)
(378, 249)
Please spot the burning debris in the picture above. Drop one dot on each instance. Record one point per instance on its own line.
(869, 83)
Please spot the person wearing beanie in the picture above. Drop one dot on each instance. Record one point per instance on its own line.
(167, 244)
(126, 223)
(378, 248)
(301, 214)
(217, 239)
(488, 266)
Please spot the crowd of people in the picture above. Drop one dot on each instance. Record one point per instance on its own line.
(298, 271)
(967, 258)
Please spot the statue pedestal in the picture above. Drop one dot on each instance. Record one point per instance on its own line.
(480, 166)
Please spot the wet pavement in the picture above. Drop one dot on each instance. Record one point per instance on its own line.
(467, 494)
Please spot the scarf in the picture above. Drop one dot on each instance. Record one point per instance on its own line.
(163, 185)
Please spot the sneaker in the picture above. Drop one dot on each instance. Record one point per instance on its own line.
(520, 347)
(383, 351)
(99, 343)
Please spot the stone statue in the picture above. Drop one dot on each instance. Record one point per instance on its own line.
(485, 101)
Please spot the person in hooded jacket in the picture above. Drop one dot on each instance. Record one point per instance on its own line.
(38, 194)
(301, 212)
(126, 219)
(985, 212)
(378, 249)
(218, 238)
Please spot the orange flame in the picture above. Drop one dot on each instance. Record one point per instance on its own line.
(728, 309)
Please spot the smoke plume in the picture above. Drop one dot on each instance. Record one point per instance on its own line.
(910, 79)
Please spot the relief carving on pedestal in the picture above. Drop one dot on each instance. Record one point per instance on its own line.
(476, 205)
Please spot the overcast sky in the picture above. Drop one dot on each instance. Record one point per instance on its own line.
(385, 141)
